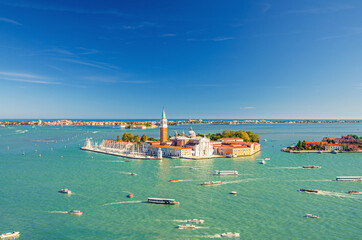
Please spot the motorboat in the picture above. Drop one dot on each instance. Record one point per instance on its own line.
(334, 152)
(66, 191)
(349, 178)
(320, 152)
(230, 234)
(127, 161)
(312, 166)
(197, 221)
(231, 172)
(262, 162)
(76, 212)
(311, 216)
(355, 192)
(165, 201)
(174, 180)
(192, 168)
(186, 226)
(130, 195)
(134, 174)
(10, 235)
(233, 192)
(212, 183)
(308, 190)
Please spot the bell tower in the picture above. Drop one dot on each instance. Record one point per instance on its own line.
(163, 128)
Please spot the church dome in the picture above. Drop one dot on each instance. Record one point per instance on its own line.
(191, 133)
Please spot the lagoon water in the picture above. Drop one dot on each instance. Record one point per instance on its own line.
(267, 206)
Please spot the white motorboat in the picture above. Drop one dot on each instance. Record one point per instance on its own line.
(76, 212)
(311, 216)
(10, 235)
(233, 192)
(262, 162)
(349, 178)
(197, 221)
(230, 234)
(231, 172)
(186, 226)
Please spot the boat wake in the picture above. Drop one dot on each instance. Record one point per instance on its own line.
(336, 194)
(127, 173)
(20, 131)
(241, 180)
(57, 212)
(121, 202)
(286, 167)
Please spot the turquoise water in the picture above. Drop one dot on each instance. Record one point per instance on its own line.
(267, 206)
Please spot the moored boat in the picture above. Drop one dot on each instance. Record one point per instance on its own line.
(353, 191)
(10, 235)
(197, 221)
(165, 201)
(66, 191)
(230, 234)
(186, 226)
(312, 166)
(308, 190)
(76, 212)
(174, 180)
(229, 172)
(311, 216)
(212, 183)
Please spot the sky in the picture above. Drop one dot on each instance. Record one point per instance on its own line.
(234, 59)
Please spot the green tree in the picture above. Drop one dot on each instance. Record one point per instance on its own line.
(254, 137)
(144, 138)
(136, 138)
(299, 144)
(304, 144)
(127, 137)
(118, 138)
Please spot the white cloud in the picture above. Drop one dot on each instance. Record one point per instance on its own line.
(8, 20)
(24, 77)
(96, 65)
(245, 108)
(112, 80)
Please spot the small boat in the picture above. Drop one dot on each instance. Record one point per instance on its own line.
(212, 183)
(127, 161)
(334, 152)
(353, 191)
(230, 234)
(308, 190)
(265, 140)
(349, 178)
(266, 158)
(262, 162)
(197, 221)
(76, 212)
(233, 192)
(312, 166)
(192, 168)
(66, 191)
(165, 201)
(186, 226)
(10, 235)
(134, 174)
(311, 216)
(130, 195)
(222, 172)
(174, 180)
(320, 152)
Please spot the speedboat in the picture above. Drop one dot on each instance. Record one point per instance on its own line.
(130, 195)
(312, 166)
(311, 216)
(197, 221)
(233, 192)
(353, 191)
(10, 235)
(212, 183)
(76, 212)
(174, 180)
(308, 190)
(230, 234)
(134, 174)
(186, 226)
(262, 162)
(66, 190)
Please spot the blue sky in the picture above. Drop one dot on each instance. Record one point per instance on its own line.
(199, 59)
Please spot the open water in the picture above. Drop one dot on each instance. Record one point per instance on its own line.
(267, 206)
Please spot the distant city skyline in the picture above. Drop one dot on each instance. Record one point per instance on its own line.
(199, 59)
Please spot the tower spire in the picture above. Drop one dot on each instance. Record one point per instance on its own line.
(163, 113)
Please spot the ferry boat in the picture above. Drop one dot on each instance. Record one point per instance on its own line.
(353, 191)
(197, 221)
(212, 183)
(308, 190)
(76, 212)
(312, 166)
(231, 172)
(349, 178)
(311, 216)
(166, 201)
(66, 190)
(130, 195)
(186, 226)
(233, 192)
(10, 235)
(174, 180)
(230, 234)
